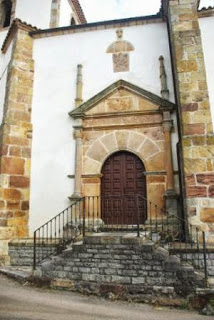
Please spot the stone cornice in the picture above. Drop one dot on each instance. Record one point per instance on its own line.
(101, 25)
(80, 111)
(123, 113)
(16, 25)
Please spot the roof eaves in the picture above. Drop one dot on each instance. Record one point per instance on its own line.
(98, 23)
(78, 10)
(16, 24)
(206, 8)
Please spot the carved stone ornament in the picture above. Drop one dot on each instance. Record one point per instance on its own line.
(121, 62)
(120, 52)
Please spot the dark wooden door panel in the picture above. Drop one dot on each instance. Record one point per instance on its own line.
(122, 180)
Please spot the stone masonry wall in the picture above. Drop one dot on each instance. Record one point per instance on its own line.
(121, 260)
(21, 251)
(194, 109)
(15, 141)
(55, 11)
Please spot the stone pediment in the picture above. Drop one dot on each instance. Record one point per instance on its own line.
(121, 97)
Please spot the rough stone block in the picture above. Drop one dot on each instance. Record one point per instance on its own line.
(196, 191)
(207, 215)
(19, 182)
(11, 194)
(194, 165)
(119, 279)
(160, 254)
(186, 65)
(193, 129)
(13, 165)
(211, 191)
(6, 233)
(172, 263)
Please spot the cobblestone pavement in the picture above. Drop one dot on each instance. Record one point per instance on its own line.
(24, 302)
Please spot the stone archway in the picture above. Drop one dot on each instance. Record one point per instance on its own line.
(123, 190)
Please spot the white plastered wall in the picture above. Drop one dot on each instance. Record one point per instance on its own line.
(65, 13)
(207, 34)
(38, 13)
(56, 59)
(4, 62)
(34, 12)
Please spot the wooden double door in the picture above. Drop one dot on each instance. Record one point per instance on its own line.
(123, 190)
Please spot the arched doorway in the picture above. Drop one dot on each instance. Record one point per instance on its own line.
(123, 189)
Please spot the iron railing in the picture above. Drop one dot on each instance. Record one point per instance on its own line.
(125, 212)
(53, 236)
(131, 213)
(176, 235)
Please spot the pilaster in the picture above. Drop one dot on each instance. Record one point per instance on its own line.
(194, 109)
(78, 163)
(170, 194)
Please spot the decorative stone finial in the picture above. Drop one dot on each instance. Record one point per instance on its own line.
(163, 79)
(79, 86)
(119, 33)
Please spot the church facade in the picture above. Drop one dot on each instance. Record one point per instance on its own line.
(105, 109)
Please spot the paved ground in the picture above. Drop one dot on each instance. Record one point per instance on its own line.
(23, 302)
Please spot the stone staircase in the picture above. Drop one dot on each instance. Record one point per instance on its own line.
(117, 259)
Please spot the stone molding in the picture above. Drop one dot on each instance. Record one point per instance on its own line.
(97, 26)
(121, 84)
(110, 143)
(106, 144)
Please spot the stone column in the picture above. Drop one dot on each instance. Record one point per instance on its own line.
(170, 195)
(78, 163)
(194, 110)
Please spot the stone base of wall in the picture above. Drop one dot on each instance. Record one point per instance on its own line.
(122, 260)
(21, 251)
(4, 260)
(162, 295)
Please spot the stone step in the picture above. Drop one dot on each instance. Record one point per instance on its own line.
(211, 282)
(120, 258)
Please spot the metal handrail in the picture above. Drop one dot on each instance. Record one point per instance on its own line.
(85, 215)
(52, 236)
(58, 214)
